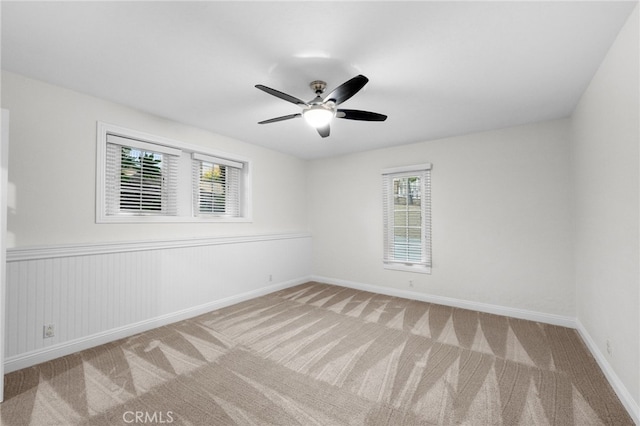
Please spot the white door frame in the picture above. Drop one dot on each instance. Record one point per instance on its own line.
(4, 175)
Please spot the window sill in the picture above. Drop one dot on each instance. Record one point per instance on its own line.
(408, 268)
(171, 219)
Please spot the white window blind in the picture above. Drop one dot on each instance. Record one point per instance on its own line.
(407, 216)
(141, 178)
(216, 186)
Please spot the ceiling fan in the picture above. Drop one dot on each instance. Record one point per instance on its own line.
(319, 111)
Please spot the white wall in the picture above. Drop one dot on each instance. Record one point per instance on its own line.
(52, 171)
(500, 212)
(605, 156)
(99, 282)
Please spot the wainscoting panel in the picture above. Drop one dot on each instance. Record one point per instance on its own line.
(96, 293)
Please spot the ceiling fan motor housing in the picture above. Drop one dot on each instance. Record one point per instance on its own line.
(318, 86)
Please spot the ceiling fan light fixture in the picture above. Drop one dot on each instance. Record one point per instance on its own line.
(318, 115)
(320, 111)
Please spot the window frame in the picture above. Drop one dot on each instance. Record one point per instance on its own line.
(232, 179)
(184, 200)
(424, 171)
(168, 174)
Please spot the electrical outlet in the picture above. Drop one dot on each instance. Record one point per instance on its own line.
(410, 283)
(49, 331)
(609, 348)
(270, 277)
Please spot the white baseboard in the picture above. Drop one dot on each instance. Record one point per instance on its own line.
(621, 390)
(456, 303)
(55, 351)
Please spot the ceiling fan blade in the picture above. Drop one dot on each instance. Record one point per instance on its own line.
(284, 117)
(355, 114)
(279, 94)
(347, 89)
(323, 131)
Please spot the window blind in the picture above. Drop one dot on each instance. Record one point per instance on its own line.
(216, 186)
(407, 215)
(141, 178)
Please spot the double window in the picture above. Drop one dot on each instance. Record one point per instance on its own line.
(407, 218)
(145, 178)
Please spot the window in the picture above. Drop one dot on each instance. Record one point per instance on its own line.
(141, 178)
(216, 184)
(146, 178)
(407, 218)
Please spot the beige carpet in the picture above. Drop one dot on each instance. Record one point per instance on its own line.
(317, 354)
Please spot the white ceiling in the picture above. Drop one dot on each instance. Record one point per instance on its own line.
(436, 69)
